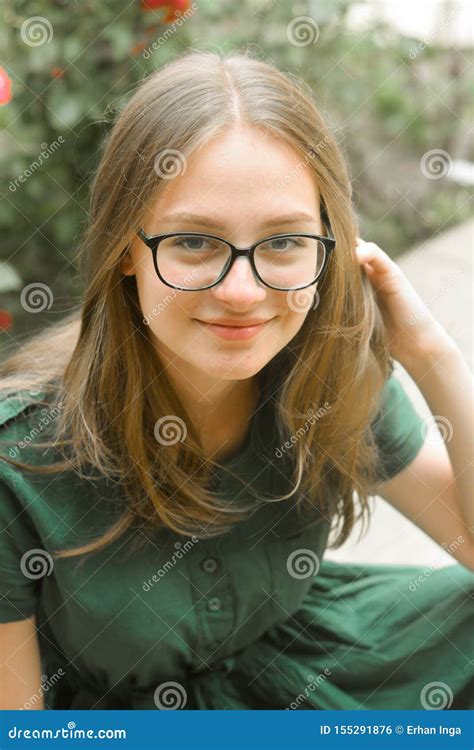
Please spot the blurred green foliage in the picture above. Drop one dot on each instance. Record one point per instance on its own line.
(386, 107)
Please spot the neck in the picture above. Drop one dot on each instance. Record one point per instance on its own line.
(220, 410)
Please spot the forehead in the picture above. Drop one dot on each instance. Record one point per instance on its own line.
(244, 174)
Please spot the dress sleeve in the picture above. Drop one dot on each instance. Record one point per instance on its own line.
(21, 558)
(399, 431)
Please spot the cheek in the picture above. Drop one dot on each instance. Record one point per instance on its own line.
(292, 320)
(167, 311)
(300, 304)
(286, 329)
(296, 321)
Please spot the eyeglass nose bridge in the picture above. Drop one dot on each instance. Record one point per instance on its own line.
(238, 252)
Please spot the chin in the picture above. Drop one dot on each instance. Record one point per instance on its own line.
(230, 368)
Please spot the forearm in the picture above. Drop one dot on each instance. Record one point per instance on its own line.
(447, 384)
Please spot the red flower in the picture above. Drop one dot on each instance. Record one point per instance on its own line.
(175, 7)
(57, 72)
(137, 48)
(5, 87)
(6, 320)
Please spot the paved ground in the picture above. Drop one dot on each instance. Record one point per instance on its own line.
(441, 272)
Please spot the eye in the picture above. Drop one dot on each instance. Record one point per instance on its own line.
(281, 243)
(191, 243)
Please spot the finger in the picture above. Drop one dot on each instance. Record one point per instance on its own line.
(372, 254)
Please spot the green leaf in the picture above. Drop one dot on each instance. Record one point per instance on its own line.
(64, 108)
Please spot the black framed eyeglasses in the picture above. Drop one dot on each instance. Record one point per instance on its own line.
(192, 261)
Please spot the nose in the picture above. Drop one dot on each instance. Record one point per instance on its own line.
(240, 288)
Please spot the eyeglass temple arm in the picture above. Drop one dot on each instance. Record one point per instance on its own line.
(325, 218)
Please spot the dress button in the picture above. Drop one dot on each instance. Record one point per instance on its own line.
(209, 564)
(214, 604)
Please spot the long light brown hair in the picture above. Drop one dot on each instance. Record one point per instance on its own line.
(100, 365)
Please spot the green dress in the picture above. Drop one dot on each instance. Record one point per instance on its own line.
(252, 619)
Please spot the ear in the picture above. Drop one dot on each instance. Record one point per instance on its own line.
(126, 264)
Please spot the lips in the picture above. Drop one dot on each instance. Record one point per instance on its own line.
(236, 324)
(235, 332)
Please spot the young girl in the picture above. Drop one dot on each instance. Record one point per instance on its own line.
(176, 454)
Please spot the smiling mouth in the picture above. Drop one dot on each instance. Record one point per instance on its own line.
(234, 332)
(252, 322)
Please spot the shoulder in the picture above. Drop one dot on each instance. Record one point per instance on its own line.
(17, 408)
(23, 422)
(15, 405)
(398, 428)
(394, 403)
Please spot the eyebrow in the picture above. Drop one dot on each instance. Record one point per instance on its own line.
(190, 218)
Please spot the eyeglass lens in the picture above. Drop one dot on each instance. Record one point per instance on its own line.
(196, 261)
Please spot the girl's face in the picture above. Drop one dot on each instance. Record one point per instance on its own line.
(245, 186)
